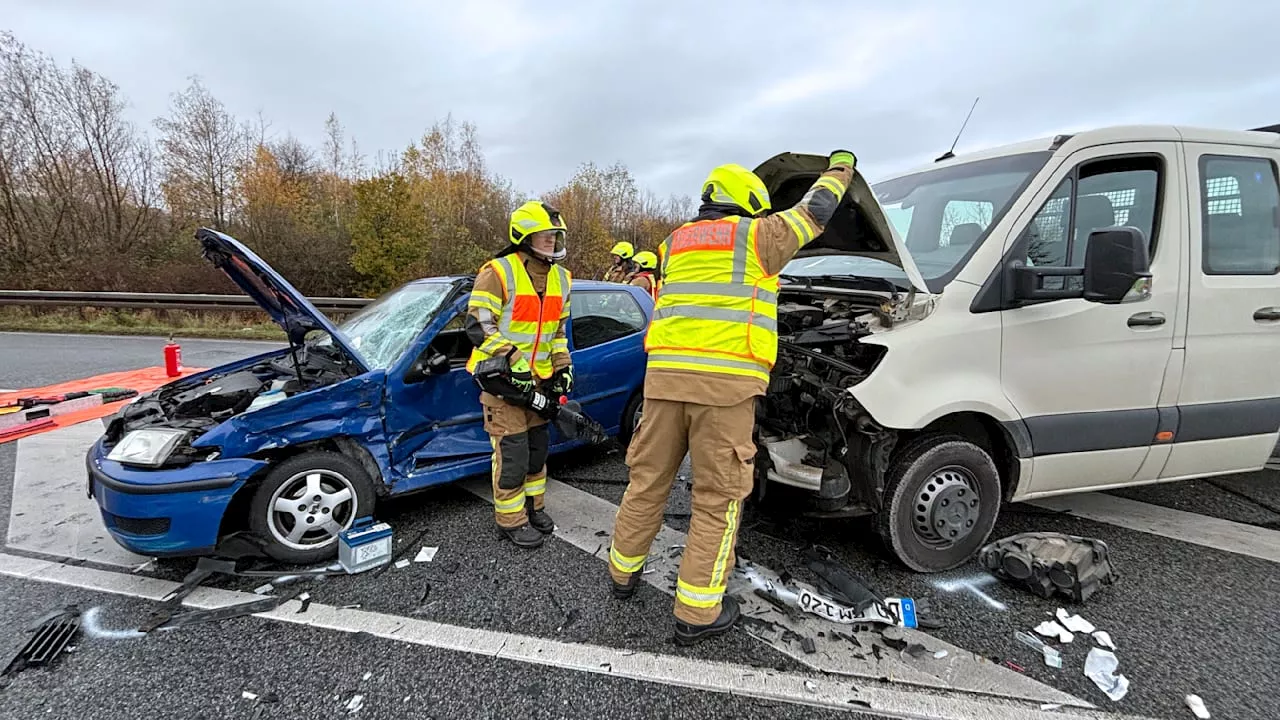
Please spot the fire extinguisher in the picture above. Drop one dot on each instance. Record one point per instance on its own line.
(172, 359)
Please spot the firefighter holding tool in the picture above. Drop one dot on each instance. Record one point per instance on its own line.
(646, 262)
(516, 318)
(712, 343)
(622, 265)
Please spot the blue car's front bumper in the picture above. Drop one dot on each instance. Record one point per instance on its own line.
(166, 512)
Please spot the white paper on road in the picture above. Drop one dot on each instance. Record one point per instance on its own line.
(426, 554)
(1197, 707)
(1100, 667)
(1075, 623)
(1051, 629)
(1104, 639)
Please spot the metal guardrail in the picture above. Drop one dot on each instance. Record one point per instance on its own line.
(159, 301)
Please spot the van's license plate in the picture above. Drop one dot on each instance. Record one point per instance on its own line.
(901, 611)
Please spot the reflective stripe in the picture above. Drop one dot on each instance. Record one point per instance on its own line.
(697, 312)
(486, 301)
(710, 288)
(559, 345)
(699, 597)
(624, 563)
(535, 487)
(740, 241)
(526, 320)
(799, 225)
(726, 541)
(508, 507)
(660, 356)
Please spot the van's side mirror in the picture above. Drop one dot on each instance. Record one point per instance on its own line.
(430, 362)
(1117, 266)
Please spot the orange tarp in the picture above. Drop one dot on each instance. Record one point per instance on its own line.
(144, 380)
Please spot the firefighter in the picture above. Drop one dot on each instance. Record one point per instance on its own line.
(711, 344)
(622, 265)
(519, 307)
(646, 262)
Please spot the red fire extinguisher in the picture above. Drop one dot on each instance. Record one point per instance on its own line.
(172, 359)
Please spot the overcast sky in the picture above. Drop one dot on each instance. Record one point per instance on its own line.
(673, 88)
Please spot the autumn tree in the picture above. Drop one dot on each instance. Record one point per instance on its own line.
(203, 148)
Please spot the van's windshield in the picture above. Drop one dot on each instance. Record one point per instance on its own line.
(941, 215)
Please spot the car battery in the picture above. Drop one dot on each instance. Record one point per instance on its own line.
(364, 545)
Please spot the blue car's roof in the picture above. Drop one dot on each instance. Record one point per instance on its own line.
(577, 284)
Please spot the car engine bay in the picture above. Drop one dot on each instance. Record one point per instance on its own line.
(811, 432)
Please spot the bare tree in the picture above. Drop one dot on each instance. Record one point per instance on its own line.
(203, 148)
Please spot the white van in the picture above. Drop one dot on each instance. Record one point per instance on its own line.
(1077, 313)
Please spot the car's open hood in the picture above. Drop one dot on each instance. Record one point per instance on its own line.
(859, 226)
(289, 308)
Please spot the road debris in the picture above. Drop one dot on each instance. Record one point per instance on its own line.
(890, 611)
(365, 545)
(1100, 667)
(248, 695)
(263, 589)
(1051, 629)
(1074, 623)
(50, 636)
(1104, 639)
(1197, 707)
(402, 564)
(305, 598)
(1052, 657)
(808, 645)
(366, 676)
(426, 554)
(808, 685)
(1014, 666)
(1048, 563)
(354, 704)
(940, 654)
(168, 619)
(1051, 706)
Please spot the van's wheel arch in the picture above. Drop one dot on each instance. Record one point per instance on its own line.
(320, 492)
(942, 495)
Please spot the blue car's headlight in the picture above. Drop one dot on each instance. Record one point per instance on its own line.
(146, 447)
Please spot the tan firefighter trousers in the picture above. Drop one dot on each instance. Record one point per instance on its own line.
(719, 441)
(520, 441)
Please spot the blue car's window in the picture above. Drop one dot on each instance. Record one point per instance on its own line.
(383, 329)
(599, 317)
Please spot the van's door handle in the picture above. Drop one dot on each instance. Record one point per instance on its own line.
(1267, 313)
(1146, 319)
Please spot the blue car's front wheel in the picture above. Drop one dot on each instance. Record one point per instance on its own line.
(305, 501)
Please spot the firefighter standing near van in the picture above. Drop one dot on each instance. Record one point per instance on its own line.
(646, 263)
(712, 343)
(622, 265)
(519, 307)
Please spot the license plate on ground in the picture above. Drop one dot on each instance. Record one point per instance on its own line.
(893, 611)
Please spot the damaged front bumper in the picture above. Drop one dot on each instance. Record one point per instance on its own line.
(169, 512)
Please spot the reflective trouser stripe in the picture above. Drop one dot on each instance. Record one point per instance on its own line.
(514, 505)
(625, 563)
(535, 487)
(699, 597)
(731, 515)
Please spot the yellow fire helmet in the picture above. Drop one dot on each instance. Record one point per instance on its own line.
(623, 250)
(646, 260)
(735, 185)
(536, 216)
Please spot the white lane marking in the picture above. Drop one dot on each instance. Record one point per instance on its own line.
(143, 338)
(581, 518)
(50, 512)
(696, 674)
(1210, 532)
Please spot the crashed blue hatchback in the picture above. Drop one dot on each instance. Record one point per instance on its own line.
(276, 454)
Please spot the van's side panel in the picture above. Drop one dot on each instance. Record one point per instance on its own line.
(1229, 403)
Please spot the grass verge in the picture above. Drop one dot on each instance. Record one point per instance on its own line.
(112, 321)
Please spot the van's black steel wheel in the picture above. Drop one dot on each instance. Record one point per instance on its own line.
(942, 495)
(305, 501)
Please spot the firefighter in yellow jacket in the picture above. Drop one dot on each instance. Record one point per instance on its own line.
(519, 307)
(621, 264)
(646, 263)
(712, 343)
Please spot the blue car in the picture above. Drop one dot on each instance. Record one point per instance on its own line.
(280, 452)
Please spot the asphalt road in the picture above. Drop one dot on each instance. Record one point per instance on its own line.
(1185, 618)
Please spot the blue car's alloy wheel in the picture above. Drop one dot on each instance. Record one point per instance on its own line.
(306, 501)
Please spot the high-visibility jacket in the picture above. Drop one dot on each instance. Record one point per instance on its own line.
(525, 320)
(653, 282)
(717, 309)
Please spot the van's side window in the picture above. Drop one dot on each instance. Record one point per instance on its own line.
(1106, 193)
(1240, 216)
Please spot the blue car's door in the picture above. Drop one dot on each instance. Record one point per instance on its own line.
(606, 329)
(434, 426)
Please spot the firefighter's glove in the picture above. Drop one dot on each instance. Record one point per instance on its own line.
(842, 158)
(522, 376)
(562, 381)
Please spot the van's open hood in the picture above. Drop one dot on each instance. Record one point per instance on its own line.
(859, 226)
(289, 308)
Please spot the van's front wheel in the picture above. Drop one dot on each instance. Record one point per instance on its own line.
(942, 494)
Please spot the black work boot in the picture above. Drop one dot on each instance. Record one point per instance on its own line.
(539, 519)
(524, 536)
(687, 634)
(623, 591)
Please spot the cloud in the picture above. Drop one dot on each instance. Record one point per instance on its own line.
(673, 89)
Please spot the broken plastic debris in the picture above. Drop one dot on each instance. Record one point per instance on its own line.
(1197, 707)
(1075, 623)
(367, 676)
(355, 703)
(402, 564)
(940, 654)
(1104, 639)
(1051, 706)
(1052, 657)
(263, 589)
(248, 695)
(426, 554)
(808, 685)
(305, 598)
(1051, 629)
(1100, 667)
